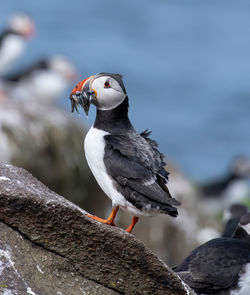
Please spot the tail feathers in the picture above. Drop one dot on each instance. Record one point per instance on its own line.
(165, 209)
(144, 204)
(172, 211)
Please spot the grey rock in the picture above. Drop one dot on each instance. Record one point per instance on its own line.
(27, 267)
(48, 246)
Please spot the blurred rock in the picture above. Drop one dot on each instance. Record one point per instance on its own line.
(49, 246)
(47, 142)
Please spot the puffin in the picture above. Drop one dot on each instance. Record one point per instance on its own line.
(221, 266)
(13, 40)
(44, 80)
(127, 165)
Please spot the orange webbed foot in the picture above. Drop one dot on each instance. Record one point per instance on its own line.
(109, 220)
(105, 221)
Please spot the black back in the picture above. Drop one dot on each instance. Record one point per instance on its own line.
(214, 189)
(42, 64)
(214, 267)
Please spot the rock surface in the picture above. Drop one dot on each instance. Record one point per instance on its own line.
(48, 246)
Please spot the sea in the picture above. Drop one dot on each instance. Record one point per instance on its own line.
(186, 67)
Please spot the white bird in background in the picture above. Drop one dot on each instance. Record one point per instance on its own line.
(13, 40)
(43, 81)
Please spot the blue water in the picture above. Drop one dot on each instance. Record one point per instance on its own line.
(186, 66)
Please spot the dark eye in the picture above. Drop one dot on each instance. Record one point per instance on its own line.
(106, 84)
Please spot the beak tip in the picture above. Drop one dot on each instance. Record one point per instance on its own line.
(81, 95)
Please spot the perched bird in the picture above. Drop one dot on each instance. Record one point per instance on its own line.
(220, 266)
(232, 218)
(13, 40)
(43, 81)
(126, 164)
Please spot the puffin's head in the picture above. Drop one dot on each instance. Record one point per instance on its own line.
(22, 24)
(105, 91)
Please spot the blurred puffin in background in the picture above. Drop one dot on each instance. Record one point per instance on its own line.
(230, 189)
(13, 40)
(43, 81)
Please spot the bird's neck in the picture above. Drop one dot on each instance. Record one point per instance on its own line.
(115, 119)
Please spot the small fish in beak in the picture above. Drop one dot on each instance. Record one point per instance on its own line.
(79, 98)
(81, 95)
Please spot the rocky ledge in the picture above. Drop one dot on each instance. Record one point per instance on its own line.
(48, 246)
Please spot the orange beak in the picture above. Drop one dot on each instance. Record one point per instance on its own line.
(80, 85)
(81, 96)
(30, 32)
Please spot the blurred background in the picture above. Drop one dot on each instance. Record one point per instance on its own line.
(186, 67)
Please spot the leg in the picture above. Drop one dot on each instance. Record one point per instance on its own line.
(133, 223)
(109, 220)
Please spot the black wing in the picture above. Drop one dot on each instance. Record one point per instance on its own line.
(39, 65)
(215, 265)
(2, 36)
(135, 163)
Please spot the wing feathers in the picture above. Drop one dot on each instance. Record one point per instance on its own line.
(134, 162)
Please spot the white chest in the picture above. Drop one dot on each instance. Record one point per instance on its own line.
(94, 146)
(12, 48)
(244, 283)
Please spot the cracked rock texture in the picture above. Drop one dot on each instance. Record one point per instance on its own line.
(48, 246)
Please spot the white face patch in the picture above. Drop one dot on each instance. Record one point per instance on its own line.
(110, 97)
(21, 23)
